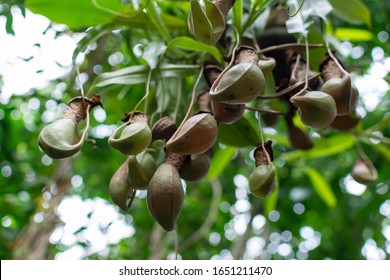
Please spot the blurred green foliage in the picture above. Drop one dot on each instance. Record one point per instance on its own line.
(313, 215)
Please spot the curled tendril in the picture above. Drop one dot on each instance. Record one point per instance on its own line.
(297, 11)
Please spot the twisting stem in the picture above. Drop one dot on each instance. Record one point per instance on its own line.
(136, 106)
(91, 88)
(302, 91)
(294, 70)
(380, 125)
(262, 139)
(131, 198)
(87, 109)
(191, 103)
(143, 98)
(297, 11)
(231, 61)
(79, 79)
(264, 111)
(336, 61)
(289, 46)
(286, 90)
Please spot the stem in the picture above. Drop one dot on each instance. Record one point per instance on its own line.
(79, 78)
(251, 16)
(296, 47)
(143, 98)
(286, 90)
(380, 125)
(262, 139)
(216, 82)
(294, 70)
(265, 111)
(92, 87)
(131, 199)
(136, 106)
(383, 139)
(302, 91)
(84, 135)
(336, 61)
(191, 103)
(86, 127)
(297, 11)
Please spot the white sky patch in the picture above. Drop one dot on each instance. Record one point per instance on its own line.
(32, 56)
(372, 87)
(103, 225)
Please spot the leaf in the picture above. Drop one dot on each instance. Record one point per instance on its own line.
(385, 151)
(321, 186)
(92, 36)
(198, 22)
(219, 162)
(75, 13)
(154, 16)
(353, 34)
(138, 74)
(352, 11)
(240, 134)
(190, 44)
(323, 147)
(237, 14)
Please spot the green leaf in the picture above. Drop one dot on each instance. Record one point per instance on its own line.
(190, 44)
(353, 34)
(322, 187)
(138, 74)
(242, 133)
(237, 14)
(154, 16)
(385, 151)
(219, 162)
(76, 13)
(352, 11)
(323, 147)
(92, 36)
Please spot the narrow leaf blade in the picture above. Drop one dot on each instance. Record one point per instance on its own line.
(323, 147)
(219, 162)
(352, 11)
(237, 14)
(322, 187)
(189, 44)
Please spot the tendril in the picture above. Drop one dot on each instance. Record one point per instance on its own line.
(297, 11)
